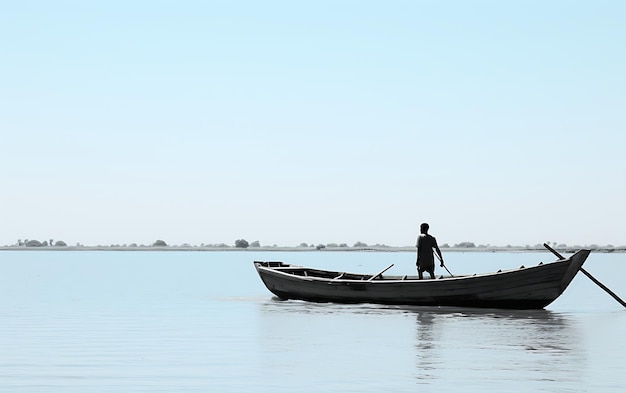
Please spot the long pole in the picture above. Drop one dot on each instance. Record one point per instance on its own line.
(592, 278)
(598, 283)
(442, 264)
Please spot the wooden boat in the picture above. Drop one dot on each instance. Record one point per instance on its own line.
(524, 288)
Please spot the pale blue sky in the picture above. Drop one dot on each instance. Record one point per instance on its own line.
(498, 122)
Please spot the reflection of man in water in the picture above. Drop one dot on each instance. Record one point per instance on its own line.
(425, 259)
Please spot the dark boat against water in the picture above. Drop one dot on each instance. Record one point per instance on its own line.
(525, 288)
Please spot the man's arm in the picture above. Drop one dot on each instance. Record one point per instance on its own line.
(438, 251)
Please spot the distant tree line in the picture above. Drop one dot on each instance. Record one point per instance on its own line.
(244, 244)
(465, 245)
(37, 243)
(239, 243)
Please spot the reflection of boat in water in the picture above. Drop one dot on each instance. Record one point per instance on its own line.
(487, 346)
(524, 288)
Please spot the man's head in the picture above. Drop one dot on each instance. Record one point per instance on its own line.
(424, 228)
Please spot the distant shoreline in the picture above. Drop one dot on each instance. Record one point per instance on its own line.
(302, 249)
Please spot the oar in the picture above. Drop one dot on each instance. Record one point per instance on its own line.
(592, 278)
(442, 264)
(620, 301)
(381, 272)
(552, 250)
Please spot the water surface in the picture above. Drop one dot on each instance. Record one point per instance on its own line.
(203, 321)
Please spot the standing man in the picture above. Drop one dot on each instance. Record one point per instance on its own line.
(425, 259)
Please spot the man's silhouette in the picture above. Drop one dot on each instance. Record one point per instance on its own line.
(425, 246)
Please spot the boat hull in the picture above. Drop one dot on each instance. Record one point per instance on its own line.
(525, 288)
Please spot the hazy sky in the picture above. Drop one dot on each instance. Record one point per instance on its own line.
(498, 122)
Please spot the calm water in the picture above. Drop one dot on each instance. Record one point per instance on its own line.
(203, 321)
